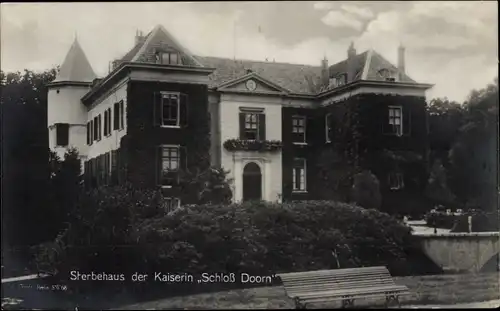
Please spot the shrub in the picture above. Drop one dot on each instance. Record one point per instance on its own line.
(269, 237)
(253, 237)
(366, 190)
(98, 234)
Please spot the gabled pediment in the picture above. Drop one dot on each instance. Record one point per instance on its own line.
(252, 83)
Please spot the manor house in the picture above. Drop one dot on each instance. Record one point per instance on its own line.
(284, 131)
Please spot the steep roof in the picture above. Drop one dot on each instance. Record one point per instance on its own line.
(341, 67)
(301, 79)
(375, 62)
(75, 67)
(158, 38)
(296, 78)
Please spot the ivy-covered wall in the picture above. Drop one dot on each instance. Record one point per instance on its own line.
(143, 136)
(291, 150)
(361, 141)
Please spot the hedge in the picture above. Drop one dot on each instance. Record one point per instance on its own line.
(123, 231)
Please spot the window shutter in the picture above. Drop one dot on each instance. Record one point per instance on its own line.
(184, 109)
(262, 126)
(242, 125)
(157, 102)
(116, 115)
(122, 114)
(406, 120)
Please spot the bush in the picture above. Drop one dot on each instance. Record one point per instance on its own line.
(98, 234)
(270, 237)
(119, 230)
(366, 190)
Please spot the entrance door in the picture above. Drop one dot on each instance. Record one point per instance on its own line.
(252, 182)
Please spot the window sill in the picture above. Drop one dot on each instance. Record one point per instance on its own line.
(171, 126)
(299, 191)
(328, 142)
(166, 187)
(300, 144)
(109, 135)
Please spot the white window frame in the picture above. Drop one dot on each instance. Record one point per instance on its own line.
(178, 121)
(257, 132)
(391, 118)
(327, 132)
(400, 183)
(178, 147)
(171, 201)
(294, 189)
(304, 118)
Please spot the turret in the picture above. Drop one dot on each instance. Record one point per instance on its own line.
(66, 115)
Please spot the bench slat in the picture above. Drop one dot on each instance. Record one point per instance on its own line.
(348, 271)
(354, 291)
(330, 285)
(334, 279)
(337, 288)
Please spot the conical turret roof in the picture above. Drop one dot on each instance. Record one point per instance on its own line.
(76, 67)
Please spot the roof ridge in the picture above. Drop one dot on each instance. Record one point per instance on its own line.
(257, 61)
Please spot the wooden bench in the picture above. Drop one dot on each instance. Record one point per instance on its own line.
(342, 284)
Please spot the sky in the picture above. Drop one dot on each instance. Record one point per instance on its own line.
(452, 45)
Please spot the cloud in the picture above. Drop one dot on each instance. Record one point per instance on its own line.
(323, 5)
(362, 12)
(340, 19)
(452, 44)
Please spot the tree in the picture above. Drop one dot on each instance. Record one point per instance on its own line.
(25, 167)
(445, 119)
(473, 156)
(437, 188)
(206, 186)
(366, 190)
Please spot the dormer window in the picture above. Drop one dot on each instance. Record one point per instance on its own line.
(387, 75)
(168, 58)
(338, 80)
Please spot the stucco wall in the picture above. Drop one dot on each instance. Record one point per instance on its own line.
(77, 139)
(111, 142)
(270, 163)
(65, 107)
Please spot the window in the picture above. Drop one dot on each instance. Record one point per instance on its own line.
(170, 204)
(62, 134)
(387, 75)
(170, 106)
(169, 164)
(299, 175)
(396, 120)
(89, 133)
(99, 127)
(107, 122)
(116, 116)
(122, 114)
(95, 128)
(328, 127)
(251, 126)
(168, 58)
(396, 181)
(299, 129)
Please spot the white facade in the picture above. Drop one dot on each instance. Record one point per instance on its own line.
(111, 142)
(64, 106)
(270, 163)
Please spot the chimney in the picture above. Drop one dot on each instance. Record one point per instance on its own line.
(401, 59)
(351, 69)
(139, 37)
(325, 72)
